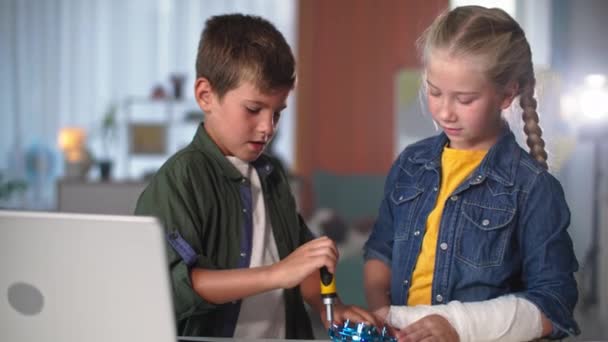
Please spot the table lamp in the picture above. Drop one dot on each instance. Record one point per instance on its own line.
(72, 141)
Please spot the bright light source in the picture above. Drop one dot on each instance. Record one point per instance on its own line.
(587, 104)
(595, 81)
(594, 103)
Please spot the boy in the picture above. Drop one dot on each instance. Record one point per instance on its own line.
(240, 256)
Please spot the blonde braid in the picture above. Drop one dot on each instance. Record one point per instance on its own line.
(531, 127)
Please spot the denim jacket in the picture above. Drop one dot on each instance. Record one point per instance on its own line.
(503, 230)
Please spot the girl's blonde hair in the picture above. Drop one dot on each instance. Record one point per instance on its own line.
(494, 36)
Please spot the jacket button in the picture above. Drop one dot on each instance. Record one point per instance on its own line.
(416, 233)
(443, 246)
(405, 282)
(435, 188)
(401, 198)
(243, 254)
(485, 222)
(454, 198)
(477, 179)
(244, 210)
(439, 298)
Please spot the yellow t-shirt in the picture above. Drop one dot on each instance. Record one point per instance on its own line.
(456, 166)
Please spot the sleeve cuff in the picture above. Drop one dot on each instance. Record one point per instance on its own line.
(369, 254)
(561, 319)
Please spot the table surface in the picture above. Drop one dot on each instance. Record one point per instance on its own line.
(226, 339)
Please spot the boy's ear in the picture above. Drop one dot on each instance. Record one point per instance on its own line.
(510, 92)
(204, 94)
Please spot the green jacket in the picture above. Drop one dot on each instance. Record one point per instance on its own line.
(201, 200)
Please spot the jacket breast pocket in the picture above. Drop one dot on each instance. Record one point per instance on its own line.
(404, 202)
(484, 233)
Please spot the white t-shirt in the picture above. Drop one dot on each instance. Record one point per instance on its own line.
(262, 315)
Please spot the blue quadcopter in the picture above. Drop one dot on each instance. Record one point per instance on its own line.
(360, 332)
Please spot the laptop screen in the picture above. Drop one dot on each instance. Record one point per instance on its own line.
(77, 277)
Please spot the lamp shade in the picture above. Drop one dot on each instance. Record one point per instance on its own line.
(72, 142)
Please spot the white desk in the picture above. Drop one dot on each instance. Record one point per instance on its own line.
(227, 339)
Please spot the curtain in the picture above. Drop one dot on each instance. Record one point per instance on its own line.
(65, 61)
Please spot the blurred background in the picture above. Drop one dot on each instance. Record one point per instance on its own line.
(96, 94)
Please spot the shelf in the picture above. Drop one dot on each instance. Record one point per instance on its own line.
(156, 129)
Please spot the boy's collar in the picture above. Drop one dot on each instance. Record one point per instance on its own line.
(203, 142)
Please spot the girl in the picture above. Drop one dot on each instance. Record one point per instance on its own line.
(471, 242)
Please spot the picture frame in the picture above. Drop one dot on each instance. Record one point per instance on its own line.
(147, 138)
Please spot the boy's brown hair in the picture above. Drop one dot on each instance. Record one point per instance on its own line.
(237, 47)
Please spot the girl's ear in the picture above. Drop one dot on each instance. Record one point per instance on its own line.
(509, 94)
(204, 94)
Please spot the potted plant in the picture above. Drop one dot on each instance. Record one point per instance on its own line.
(8, 188)
(108, 135)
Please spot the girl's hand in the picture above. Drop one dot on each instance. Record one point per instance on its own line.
(350, 312)
(429, 328)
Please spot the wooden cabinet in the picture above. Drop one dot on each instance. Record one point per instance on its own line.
(112, 198)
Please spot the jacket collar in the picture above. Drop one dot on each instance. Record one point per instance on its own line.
(499, 164)
(203, 142)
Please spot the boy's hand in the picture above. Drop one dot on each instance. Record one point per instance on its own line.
(350, 312)
(431, 328)
(308, 258)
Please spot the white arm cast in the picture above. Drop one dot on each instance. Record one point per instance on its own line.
(506, 318)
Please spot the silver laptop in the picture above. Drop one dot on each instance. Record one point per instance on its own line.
(77, 277)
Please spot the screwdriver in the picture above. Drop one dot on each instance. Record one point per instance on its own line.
(328, 293)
